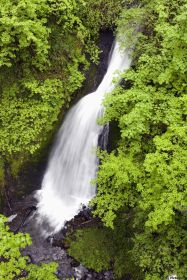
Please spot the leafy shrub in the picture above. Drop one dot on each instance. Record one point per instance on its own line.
(147, 171)
(102, 248)
(45, 48)
(93, 248)
(13, 264)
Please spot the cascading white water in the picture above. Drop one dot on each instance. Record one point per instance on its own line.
(73, 162)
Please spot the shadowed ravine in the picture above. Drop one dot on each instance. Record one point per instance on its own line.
(73, 162)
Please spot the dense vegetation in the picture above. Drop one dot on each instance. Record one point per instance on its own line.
(144, 179)
(12, 264)
(45, 48)
(108, 248)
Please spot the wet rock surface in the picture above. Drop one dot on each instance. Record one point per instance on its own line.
(51, 248)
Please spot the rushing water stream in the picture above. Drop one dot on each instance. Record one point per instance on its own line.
(73, 162)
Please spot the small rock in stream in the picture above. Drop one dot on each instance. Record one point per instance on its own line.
(80, 272)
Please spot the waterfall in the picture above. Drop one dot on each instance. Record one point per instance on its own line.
(73, 162)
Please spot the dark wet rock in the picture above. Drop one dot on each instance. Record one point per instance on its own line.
(43, 251)
(74, 263)
(108, 275)
(80, 272)
(52, 248)
(26, 202)
(22, 210)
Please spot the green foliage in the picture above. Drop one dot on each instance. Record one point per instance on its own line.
(13, 264)
(44, 51)
(101, 13)
(2, 172)
(30, 114)
(147, 171)
(67, 14)
(42, 272)
(162, 252)
(23, 29)
(102, 248)
(99, 254)
(15, 165)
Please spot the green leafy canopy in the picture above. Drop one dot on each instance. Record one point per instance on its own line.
(12, 264)
(147, 171)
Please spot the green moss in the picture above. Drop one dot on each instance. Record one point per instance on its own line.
(15, 165)
(102, 248)
(2, 172)
(93, 248)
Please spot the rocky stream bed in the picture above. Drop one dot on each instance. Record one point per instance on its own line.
(52, 248)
